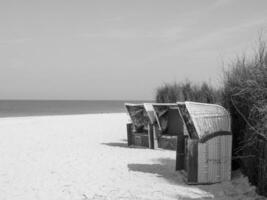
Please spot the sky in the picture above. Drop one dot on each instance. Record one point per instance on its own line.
(120, 49)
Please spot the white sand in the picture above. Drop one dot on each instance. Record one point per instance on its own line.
(86, 157)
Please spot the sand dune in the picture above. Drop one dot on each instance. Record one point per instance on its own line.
(86, 157)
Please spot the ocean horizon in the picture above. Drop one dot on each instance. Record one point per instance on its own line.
(21, 108)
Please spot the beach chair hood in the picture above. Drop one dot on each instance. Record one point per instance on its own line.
(138, 115)
(205, 121)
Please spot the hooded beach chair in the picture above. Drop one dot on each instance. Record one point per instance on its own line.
(140, 129)
(207, 153)
(169, 126)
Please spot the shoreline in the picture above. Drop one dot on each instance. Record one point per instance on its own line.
(55, 108)
(61, 115)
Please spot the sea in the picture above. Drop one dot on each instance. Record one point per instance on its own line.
(21, 108)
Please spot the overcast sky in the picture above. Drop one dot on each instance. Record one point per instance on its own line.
(119, 49)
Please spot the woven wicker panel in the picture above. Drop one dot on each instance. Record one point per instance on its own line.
(208, 118)
(138, 116)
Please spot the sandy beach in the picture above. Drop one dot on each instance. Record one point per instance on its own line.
(81, 157)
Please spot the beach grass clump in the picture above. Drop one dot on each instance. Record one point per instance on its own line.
(245, 96)
(187, 91)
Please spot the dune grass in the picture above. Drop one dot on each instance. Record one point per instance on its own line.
(187, 91)
(244, 94)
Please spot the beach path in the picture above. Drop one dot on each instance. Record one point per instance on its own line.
(81, 157)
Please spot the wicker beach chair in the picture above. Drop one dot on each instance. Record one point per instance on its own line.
(206, 156)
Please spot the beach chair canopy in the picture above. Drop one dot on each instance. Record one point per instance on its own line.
(138, 115)
(205, 121)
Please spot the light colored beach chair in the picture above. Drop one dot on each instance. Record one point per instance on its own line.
(208, 146)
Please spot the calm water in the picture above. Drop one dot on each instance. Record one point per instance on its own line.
(39, 108)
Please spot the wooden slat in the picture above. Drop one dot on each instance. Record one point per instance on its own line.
(186, 154)
(150, 136)
(210, 161)
(150, 112)
(192, 161)
(180, 152)
(202, 163)
(228, 152)
(155, 137)
(218, 158)
(223, 157)
(229, 170)
(227, 158)
(129, 127)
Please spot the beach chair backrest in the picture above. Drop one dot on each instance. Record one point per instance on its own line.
(138, 116)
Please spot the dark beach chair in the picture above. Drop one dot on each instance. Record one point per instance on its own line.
(169, 126)
(140, 129)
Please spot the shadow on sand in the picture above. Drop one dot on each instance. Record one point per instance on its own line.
(116, 144)
(122, 145)
(164, 168)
